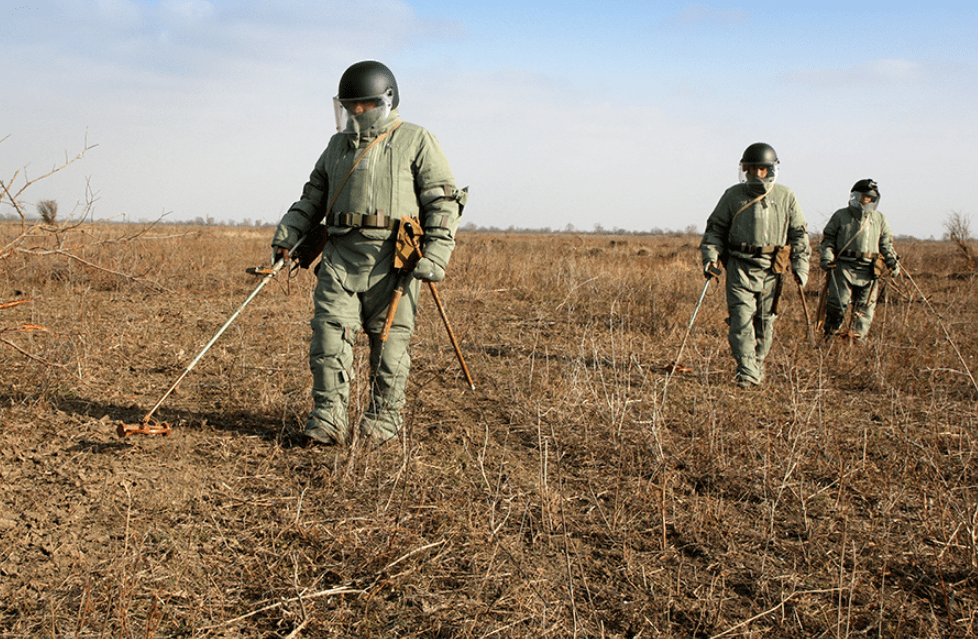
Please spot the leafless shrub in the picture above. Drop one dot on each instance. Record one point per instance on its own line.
(48, 210)
(957, 229)
(59, 243)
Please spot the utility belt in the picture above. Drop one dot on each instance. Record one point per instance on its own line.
(361, 220)
(755, 251)
(859, 256)
(780, 255)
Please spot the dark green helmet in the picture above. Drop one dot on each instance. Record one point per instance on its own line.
(867, 186)
(759, 154)
(368, 80)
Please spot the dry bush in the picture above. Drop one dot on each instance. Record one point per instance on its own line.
(70, 251)
(957, 230)
(561, 498)
(48, 210)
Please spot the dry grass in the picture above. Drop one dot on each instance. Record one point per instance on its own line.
(839, 501)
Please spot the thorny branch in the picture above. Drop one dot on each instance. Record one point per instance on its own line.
(37, 238)
(15, 197)
(58, 251)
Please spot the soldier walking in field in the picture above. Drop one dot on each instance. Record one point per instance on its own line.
(757, 231)
(856, 244)
(375, 170)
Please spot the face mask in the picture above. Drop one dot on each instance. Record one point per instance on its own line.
(760, 186)
(362, 124)
(772, 173)
(854, 202)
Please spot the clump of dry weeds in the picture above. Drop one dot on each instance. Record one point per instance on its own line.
(561, 498)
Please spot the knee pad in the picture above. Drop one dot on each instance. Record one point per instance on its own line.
(331, 355)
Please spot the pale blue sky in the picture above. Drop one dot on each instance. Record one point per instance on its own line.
(624, 114)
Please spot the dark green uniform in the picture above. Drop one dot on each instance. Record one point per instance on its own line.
(851, 241)
(750, 222)
(405, 174)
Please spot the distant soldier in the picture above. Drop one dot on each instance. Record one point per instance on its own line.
(374, 171)
(856, 244)
(758, 231)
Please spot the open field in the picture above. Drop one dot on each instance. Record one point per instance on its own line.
(562, 498)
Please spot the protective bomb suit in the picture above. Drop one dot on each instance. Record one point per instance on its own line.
(361, 187)
(854, 243)
(756, 229)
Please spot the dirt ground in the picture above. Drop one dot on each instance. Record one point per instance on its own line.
(579, 491)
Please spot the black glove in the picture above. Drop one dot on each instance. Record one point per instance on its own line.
(711, 270)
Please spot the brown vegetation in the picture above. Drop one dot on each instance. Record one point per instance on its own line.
(957, 230)
(559, 499)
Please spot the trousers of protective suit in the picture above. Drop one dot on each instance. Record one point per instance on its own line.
(338, 318)
(851, 284)
(750, 295)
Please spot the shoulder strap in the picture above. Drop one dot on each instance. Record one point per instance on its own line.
(750, 204)
(856, 234)
(336, 193)
(747, 206)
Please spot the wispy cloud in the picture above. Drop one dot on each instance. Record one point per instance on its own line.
(198, 38)
(220, 107)
(187, 12)
(878, 73)
(697, 14)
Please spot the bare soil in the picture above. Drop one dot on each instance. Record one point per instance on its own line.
(561, 498)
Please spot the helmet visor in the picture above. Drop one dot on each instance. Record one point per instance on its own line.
(345, 111)
(772, 171)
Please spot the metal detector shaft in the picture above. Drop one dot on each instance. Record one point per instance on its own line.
(689, 328)
(268, 276)
(682, 346)
(451, 335)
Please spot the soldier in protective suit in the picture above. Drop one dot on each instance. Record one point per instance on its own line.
(758, 231)
(856, 243)
(376, 169)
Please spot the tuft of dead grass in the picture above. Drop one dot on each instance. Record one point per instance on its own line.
(561, 498)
